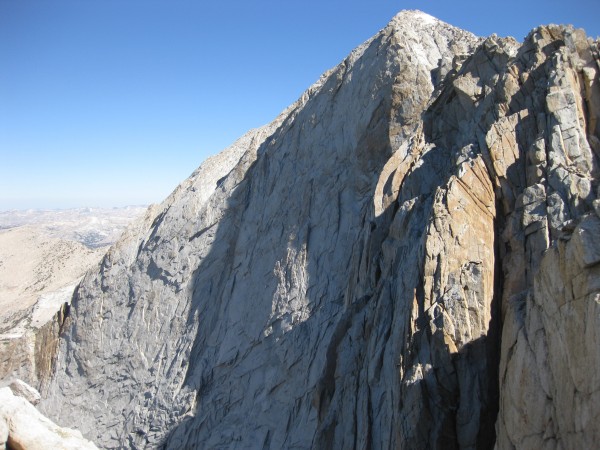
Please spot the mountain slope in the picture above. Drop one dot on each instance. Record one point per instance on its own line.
(339, 278)
(31, 264)
(42, 259)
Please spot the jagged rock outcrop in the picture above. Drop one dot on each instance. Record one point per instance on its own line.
(549, 376)
(28, 350)
(23, 390)
(342, 277)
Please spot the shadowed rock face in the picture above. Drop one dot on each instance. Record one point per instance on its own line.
(341, 278)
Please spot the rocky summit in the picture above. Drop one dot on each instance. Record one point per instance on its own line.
(407, 257)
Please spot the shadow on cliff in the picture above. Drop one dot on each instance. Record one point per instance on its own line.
(250, 343)
(438, 397)
(459, 387)
(483, 354)
(355, 322)
(220, 303)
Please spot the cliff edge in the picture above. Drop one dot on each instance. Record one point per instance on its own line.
(407, 257)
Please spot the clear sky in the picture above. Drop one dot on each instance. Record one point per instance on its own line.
(114, 102)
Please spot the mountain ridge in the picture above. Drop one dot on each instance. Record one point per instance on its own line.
(341, 277)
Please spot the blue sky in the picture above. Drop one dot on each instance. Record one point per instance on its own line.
(114, 102)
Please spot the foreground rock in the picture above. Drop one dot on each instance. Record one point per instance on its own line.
(22, 427)
(23, 390)
(341, 278)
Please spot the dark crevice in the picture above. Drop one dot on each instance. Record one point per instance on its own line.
(486, 437)
(201, 232)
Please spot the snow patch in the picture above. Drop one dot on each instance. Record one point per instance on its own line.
(425, 18)
(49, 303)
(416, 16)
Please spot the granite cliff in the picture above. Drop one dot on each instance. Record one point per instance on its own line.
(407, 257)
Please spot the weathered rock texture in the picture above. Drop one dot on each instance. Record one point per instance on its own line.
(550, 382)
(341, 278)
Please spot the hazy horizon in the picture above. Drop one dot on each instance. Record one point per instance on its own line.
(108, 104)
(76, 207)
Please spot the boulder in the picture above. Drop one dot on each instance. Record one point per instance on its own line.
(22, 427)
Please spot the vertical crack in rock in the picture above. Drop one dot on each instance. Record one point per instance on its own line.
(341, 277)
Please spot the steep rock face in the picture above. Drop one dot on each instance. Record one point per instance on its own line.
(338, 278)
(532, 111)
(550, 348)
(32, 355)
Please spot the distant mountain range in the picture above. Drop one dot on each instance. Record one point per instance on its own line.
(93, 227)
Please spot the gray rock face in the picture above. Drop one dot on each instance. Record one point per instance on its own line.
(341, 277)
